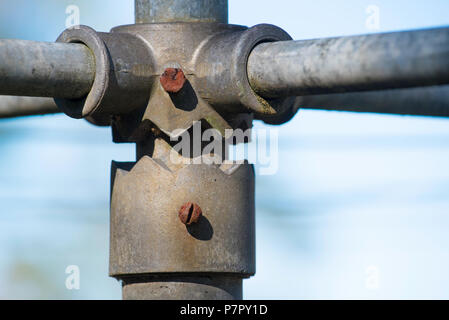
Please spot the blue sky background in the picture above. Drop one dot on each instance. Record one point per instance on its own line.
(357, 196)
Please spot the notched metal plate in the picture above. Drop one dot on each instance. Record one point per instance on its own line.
(147, 236)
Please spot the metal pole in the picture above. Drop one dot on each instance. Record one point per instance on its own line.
(165, 287)
(426, 101)
(11, 106)
(155, 253)
(44, 69)
(356, 63)
(421, 101)
(156, 11)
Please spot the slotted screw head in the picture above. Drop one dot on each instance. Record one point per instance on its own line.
(190, 213)
(172, 80)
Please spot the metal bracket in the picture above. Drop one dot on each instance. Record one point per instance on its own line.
(152, 83)
(147, 238)
(213, 57)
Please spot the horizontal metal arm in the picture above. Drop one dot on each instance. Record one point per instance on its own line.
(45, 69)
(11, 106)
(347, 64)
(426, 101)
(372, 62)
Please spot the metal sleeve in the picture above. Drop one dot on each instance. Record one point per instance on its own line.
(44, 69)
(346, 64)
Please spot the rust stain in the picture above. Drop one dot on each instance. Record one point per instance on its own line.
(172, 80)
(190, 213)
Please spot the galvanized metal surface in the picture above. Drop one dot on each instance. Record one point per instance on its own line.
(184, 288)
(329, 65)
(45, 69)
(12, 106)
(356, 63)
(123, 74)
(221, 70)
(149, 244)
(426, 101)
(156, 254)
(147, 236)
(157, 11)
(175, 45)
(213, 59)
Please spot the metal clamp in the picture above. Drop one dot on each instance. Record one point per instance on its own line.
(130, 58)
(123, 74)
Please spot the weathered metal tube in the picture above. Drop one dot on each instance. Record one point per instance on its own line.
(347, 64)
(155, 254)
(123, 74)
(425, 101)
(44, 69)
(157, 11)
(11, 106)
(178, 287)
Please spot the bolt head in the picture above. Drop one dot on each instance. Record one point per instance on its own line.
(190, 213)
(173, 80)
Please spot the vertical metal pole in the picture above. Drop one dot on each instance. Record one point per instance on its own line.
(156, 11)
(173, 261)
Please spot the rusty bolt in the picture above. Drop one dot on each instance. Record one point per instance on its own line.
(172, 80)
(190, 213)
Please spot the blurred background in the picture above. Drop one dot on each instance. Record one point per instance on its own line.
(358, 209)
